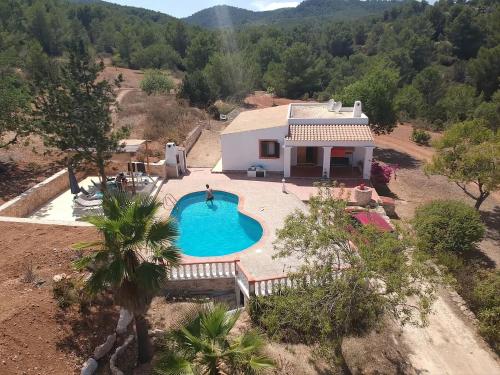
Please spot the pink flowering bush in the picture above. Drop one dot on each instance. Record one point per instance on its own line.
(381, 173)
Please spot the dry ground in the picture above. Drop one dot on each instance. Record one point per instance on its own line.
(36, 336)
(450, 344)
(24, 165)
(261, 99)
(159, 118)
(412, 187)
(207, 150)
(166, 316)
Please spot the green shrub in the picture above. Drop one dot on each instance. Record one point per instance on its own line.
(486, 303)
(447, 225)
(420, 137)
(156, 82)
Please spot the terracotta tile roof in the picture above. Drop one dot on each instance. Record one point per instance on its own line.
(330, 132)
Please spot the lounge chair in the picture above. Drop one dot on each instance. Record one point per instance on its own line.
(88, 203)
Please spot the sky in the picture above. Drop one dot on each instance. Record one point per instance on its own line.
(184, 8)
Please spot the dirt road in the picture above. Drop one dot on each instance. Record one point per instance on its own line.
(448, 345)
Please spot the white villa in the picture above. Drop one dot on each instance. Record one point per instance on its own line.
(301, 140)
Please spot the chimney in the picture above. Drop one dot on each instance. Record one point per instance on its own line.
(356, 111)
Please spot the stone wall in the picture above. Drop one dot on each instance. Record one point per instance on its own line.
(192, 137)
(29, 201)
(182, 288)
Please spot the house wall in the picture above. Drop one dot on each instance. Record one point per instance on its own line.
(241, 150)
(358, 156)
(294, 156)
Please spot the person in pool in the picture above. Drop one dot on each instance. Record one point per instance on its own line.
(210, 195)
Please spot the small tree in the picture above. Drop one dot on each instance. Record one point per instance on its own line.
(468, 154)
(203, 346)
(195, 88)
(376, 91)
(447, 226)
(156, 82)
(342, 288)
(74, 112)
(133, 257)
(15, 120)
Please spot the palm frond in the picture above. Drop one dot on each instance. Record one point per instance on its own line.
(167, 254)
(150, 276)
(260, 363)
(171, 364)
(163, 231)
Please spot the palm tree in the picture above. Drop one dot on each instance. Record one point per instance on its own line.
(132, 257)
(203, 346)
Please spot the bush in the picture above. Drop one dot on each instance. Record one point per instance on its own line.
(486, 303)
(420, 136)
(447, 225)
(381, 174)
(156, 82)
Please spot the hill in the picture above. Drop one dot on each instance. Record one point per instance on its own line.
(224, 16)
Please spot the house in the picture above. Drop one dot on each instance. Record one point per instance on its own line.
(301, 140)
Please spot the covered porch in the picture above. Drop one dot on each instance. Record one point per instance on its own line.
(335, 162)
(328, 151)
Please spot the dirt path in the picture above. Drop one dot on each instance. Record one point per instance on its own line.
(399, 140)
(207, 150)
(448, 345)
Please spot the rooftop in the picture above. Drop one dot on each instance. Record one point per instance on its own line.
(329, 132)
(258, 119)
(318, 111)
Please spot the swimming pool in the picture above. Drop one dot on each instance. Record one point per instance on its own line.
(214, 229)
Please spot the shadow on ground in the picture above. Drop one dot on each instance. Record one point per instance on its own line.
(86, 330)
(401, 159)
(492, 221)
(15, 179)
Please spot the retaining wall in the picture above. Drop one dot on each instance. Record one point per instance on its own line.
(192, 137)
(28, 202)
(200, 286)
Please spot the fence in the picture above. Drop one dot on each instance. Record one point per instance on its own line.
(245, 282)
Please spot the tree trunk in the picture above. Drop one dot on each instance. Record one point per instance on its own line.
(479, 201)
(144, 348)
(102, 174)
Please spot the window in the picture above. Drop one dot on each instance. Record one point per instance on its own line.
(269, 150)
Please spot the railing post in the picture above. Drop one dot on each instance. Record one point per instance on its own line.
(251, 288)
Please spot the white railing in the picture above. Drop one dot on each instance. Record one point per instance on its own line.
(249, 285)
(203, 270)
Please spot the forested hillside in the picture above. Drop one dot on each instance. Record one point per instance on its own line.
(223, 16)
(438, 64)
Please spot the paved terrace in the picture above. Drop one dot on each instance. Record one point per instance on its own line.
(262, 199)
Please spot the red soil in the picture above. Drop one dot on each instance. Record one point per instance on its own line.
(36, 336)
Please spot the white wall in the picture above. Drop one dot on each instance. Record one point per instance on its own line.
(241, 150)
(358, 156)
(294, 156)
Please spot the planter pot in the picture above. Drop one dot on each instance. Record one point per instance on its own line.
(362, 197)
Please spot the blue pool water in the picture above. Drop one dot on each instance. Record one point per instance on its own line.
(216, 229)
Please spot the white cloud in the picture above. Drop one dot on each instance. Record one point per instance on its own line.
(266, 5)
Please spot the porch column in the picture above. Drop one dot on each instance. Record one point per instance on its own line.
(367, 163)
(326, 161)
(287, 156)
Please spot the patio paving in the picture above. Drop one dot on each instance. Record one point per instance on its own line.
(63, 208)
(263, 199)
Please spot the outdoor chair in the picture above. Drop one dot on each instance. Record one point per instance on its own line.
(88, 203)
